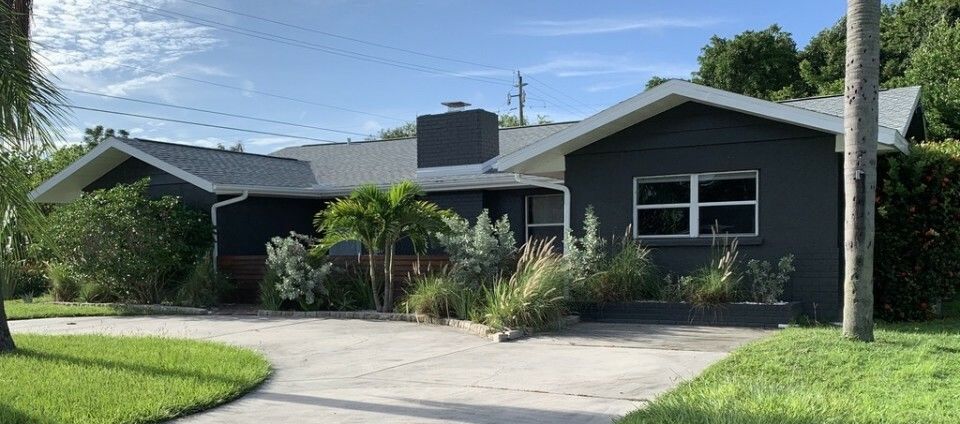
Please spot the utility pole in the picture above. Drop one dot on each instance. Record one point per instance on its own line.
(521, 96)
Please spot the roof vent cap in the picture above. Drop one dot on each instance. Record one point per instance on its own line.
(456, 106)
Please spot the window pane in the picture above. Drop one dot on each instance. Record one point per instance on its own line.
(739, 219)
(728, 187)
(545, 209)
(662, 222)
(663, 190)
(554, 231)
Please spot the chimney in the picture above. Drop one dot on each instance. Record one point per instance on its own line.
(458, 137)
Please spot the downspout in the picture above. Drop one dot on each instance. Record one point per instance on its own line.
(553, 186)
(213, 220)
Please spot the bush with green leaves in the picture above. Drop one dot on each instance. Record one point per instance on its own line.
(917, 256)
(203, 286)
(766, 284)
(585, 256)
(348, 289)
(532, 298)
(134, 247)
(479, 253)
(296, 278)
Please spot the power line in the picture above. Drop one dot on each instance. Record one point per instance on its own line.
(560, 91)
(233, 115)
(308, 45)
(344, 37)
(201, 124)
(565, 105)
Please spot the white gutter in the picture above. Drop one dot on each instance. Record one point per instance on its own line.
(553, 185)
(213, 219)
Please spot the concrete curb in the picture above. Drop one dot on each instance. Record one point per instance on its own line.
(155, 309)
(462, 325)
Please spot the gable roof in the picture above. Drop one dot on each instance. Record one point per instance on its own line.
(388, 161)
(213, 170)
(547, 155)
(897, 106)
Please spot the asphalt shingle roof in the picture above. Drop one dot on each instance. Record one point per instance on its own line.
(226, 167)
(896, 106)
(388, 161)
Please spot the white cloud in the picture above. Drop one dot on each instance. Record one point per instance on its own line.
(592, 64)
(93, 44)
(553, 28)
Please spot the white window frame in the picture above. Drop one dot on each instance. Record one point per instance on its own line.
(694, 205)
(526, 215)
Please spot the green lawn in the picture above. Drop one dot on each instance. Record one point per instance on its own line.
(911, 374)
(102, 379)
(43, 307)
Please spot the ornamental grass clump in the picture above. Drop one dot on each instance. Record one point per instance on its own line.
(532, 297)
(718, 282)
(432, 294)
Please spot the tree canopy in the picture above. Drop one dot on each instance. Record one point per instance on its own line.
(918, 47)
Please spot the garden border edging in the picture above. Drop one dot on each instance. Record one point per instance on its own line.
(459, 324)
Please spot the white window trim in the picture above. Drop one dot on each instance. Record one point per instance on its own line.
(526, 215)
(694, 205)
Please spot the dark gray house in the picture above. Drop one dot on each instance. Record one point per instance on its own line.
(669, 163)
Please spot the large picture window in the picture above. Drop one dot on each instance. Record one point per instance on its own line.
(544, 216)
(690, 205)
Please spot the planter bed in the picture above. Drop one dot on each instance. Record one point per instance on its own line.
(727, 314)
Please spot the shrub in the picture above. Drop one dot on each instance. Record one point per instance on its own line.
(532, 297)
(627, 274)
(131, 245)
(478, 254)
(433, 294)
(297, 279)
(64, 282)
(585, 256)
(767, 284)
(203, 286)
(917, 257)
(718, 282)
(348, 290)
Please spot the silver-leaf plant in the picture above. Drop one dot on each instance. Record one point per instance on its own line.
(767, 284)
(584, 255)
(296, 278)
(478, 254)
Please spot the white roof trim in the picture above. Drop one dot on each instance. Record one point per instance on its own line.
(550, 150)
(97, 168)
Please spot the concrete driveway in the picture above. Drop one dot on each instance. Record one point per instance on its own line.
(353, 371)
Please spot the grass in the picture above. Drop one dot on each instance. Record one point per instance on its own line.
(911, 374)
(45, 308)
(102, 379)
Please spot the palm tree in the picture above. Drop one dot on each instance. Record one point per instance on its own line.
(860, 121)
(380, 219)
(29, 118)
(94, 136)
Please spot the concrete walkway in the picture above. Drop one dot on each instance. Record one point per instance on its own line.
(352, 371)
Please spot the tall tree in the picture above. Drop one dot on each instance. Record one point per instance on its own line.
(756, 63)
(94, 136)
(935, 66)
(507, 120)
(29, 120)
(407, 130)
(861, 127)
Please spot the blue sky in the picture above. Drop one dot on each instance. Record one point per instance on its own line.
(578, 57)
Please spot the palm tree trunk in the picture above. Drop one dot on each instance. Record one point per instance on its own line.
(860, 118)
(373, 280)
(6, 339)
(387, 278)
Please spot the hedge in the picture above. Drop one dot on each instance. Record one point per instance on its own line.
(917, 257)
